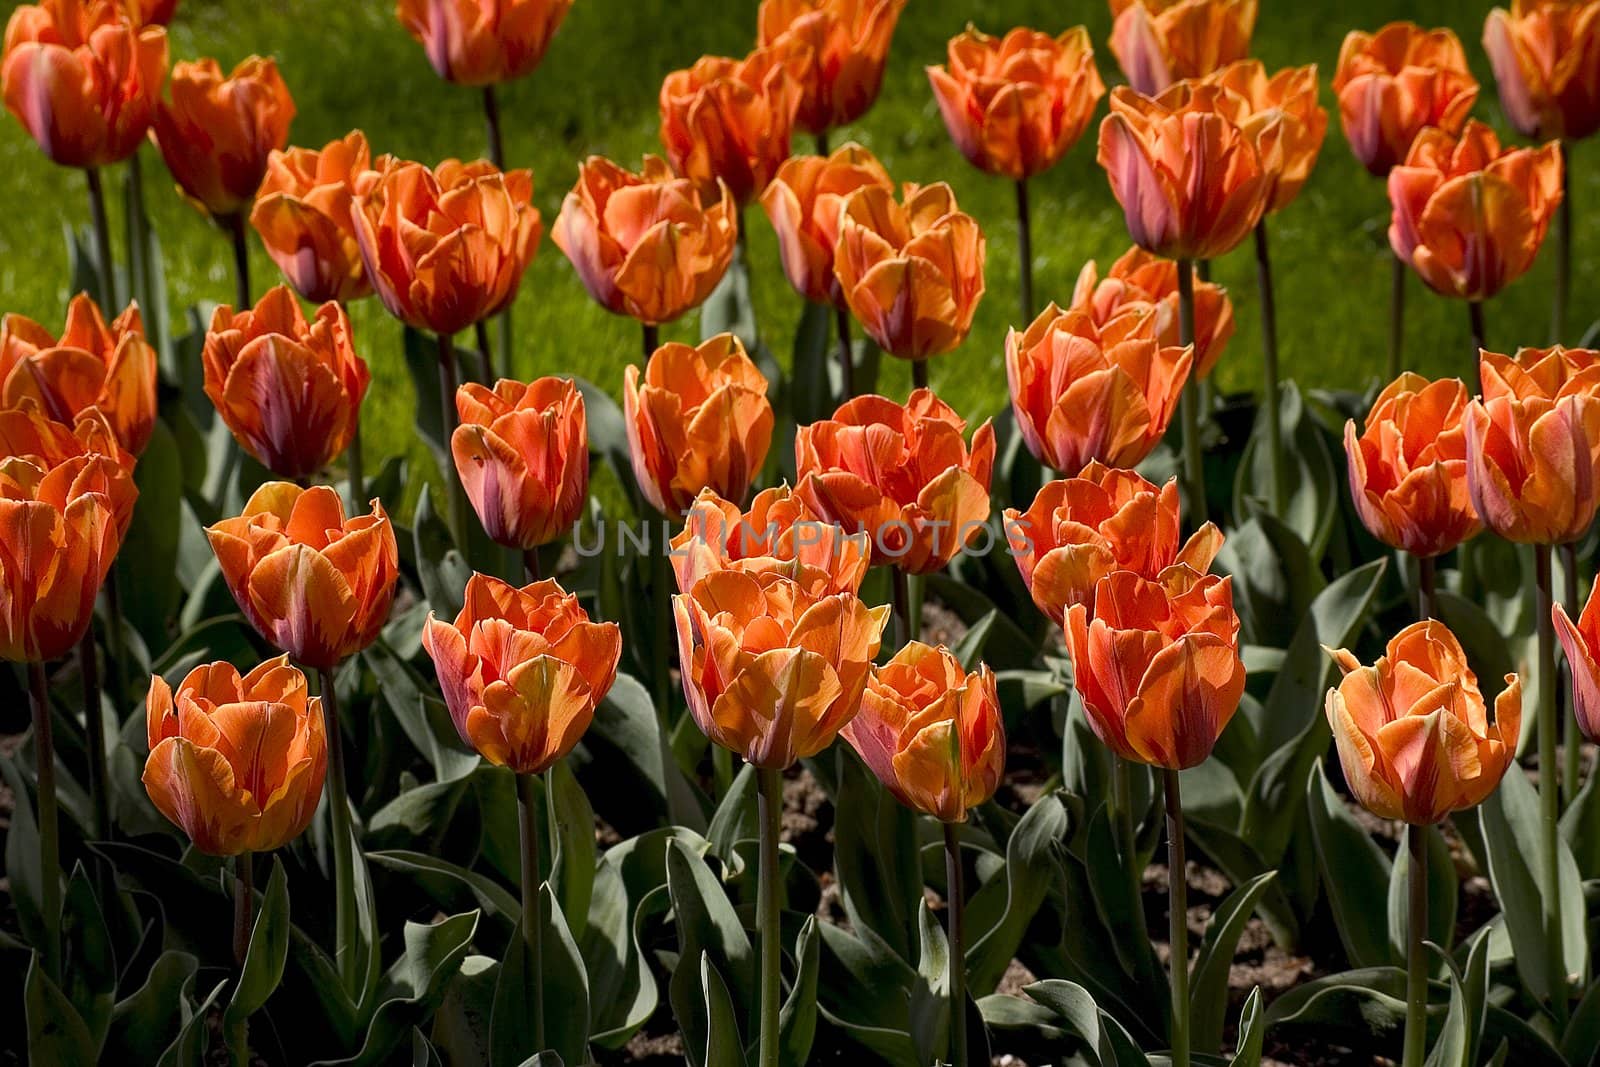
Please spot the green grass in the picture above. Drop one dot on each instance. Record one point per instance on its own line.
(349, 64)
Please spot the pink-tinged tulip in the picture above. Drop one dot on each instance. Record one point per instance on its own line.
(803, 203)
(1413, 731)
(1397, 82)
(1015, 105)
(481, 42)
(218, 132)
(302, 215)
(1468, 215)
(845, 43)
(1546, 60)
(522, 453)
(1288, 123)
(1408, 469)
(729, 120)
(1581, 643)
(778, 530)
(1141, 278)
(1157, 664)
(1080, 530)
(1158, 42)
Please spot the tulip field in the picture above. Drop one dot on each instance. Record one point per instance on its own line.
(539, 533)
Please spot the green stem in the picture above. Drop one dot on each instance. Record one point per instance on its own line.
(241, 260)
(1572, 737)
(357, 476)
(448, 383)
(340, 839)
(1427, 582)
(847, 362)
(49, 834)
(491, 122)
(1194, 475)
(1558, 302)
(94, 726)
(822, 144)
(1397, 314)
(955, 907)
(1178, 908)
(1416, 1040)
(243, 903)
(532, 897)
(1269, 366)
(530, 564)
(769, 915)
(102, 242)
(1024, 251)
(904, 632)
(919, 374)
(1479, 336)
(486, 372)
(1549, 781)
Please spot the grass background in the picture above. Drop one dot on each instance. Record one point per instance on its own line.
(349, 64)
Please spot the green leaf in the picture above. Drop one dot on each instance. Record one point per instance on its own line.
(1457, 1042)
(269, 948)
(449, 884)
(1252, 1032)
(1237, 859)
(56, 1032)
(1311, 506)
(22, 855)
(625, 721)
(1009, 903)
(707, 924)
(440, 565)
(797, 1020)
(1355, 873)
(572, 866)
(814, 364)
(149, 590)
(1274, 576)
(420, 713)
(1580, 828)
(1442, 894)
(422, 364)
(735, 819)
(565, 992)
(1581, 1043)
(149, 1018)
(1208, 990)
(930, 996)
(1074, 1010)
(875, 857)
(189, 1046)
(723, 1047)
(622, 990)
(863, 989)
(728, 309)
(90, 971)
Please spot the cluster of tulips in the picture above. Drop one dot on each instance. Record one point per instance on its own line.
(776, 649)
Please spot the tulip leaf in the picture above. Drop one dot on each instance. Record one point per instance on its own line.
(863, 990)
(191, 909)
(269, 948)
(1102, 1038)
(89, 977)
(736, 818)
(56, 1032)
(1355, 873)
(22, 855)
(1580, 828)
(149, 591)
(448, 884)
(572, 866)
(723, 1047)
(797, 1019)
(1274, 575)
(706, 923)
(150, 1017)
(1487, 650)
(998, 914)
(441, 566)
(1457, 1043)
(420, 714)
(622, 991)
(565, 992)
(875, 858)
(422, 364)
(190, 1045)
(728, 309)
(1208, 988)
(1311, 482)
(817, 376)
(423, 1054)
(625, 726)
(1004, 644)
(1581, 1043)
(1442, 893)
(1252, 1032)
(930, 994)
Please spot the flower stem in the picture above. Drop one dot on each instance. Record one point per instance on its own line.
(448, 383)
(1549, 781)
(1427, 582)
(530, 564)
(904, 630)
(94, 726)
(1178, 908)
(919, 374)
(1194, 475)
(49, 835)
(243, 903)
(822, 144)
(1122, 784)
(241, 260)
(486, 371)
(769, 917)
(652, 339)
(491, 122)
(340, 840)
(1572, 737)
(532, 897)
(1397, 314)
(955, 907)
(1416, 1040)
(1024, 251)
(1269, 365)
(497, 156)
(102, 241)
(357, 476)
(1558, 301)
(1479, 337)
(847, 362)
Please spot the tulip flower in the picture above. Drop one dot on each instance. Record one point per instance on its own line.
(804, 201)
(645, 245)
(931, 731)
(845, 43)
(1469, 216)
(1082, 393)
(218, 132)
(700, 419)
(82, 79)
(901, 474)
(1395, 83)
(302, 215)
(289, 390)
(151, 12)
(522, 670)
(1286, 119)
(312, 583)
(729, 121)
(1546, 60)
(522, 452)
(90, 367)
(1581, 643)
(778, 530)
(1137, 278)
(1082, 529)
(235, 762)
(482, 42)
(910, 271)
(1408, 469)
(1159, 42)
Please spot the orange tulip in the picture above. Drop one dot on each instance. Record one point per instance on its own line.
(1413, 731)
(847, 42)
(646, 245)
(1395, 83)
(1533, 446)
(729, 120)
(1081, 392)
(911, 272)
(902, 475)
(773, 663)
(481, 42)
(1288, 122)
(522, 670)
(289, 390)
(302, 213)
(1015, 105)
(1187, 169)
(218, 133)
(311, 582)
(1546, 60)
(66, 498)
(446, 247)
(1157, 664)
(1158, 42)
(236, 763)
(1141, 278)
(1408, 470)
(803, 203)
(111, 370)
(82, 79)
(1468, 216)
(152, 12)
(1079, 530)
(699, 420)
(1581, 644)
(779, 530)
(522, 453)
(931, 732)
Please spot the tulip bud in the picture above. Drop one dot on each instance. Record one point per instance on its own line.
(236, 763)
(779, 530)
(1413, 732)
(729, 120)
(901, 474)
(1141, 278)
(217, 133)
(803, 203)
(289, 390)
(90, 367)
(645, 245)
(1157, 664)
(312, 583)
(700, 420)
(1581, 644)
(1080, 530)
(1015, 105)
(931, 732)
(1397, 82)
(302, 214)
(1546, 60)
(1158, 42)
(473, 42)
(522, 670)
(522, 452)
